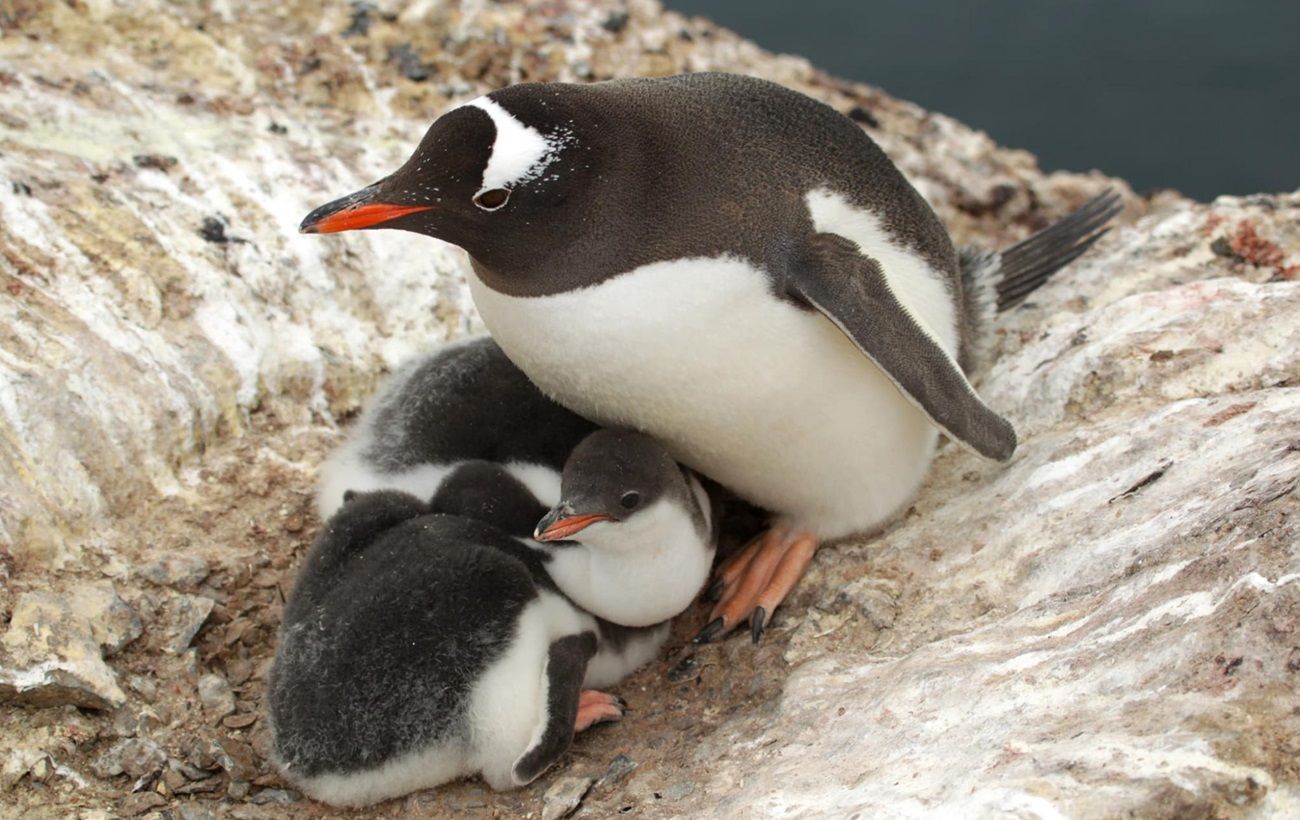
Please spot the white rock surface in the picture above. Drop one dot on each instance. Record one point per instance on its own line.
(1109, 624)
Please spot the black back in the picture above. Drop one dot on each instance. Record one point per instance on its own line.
(692, 165)
(389, 626)
(468, 401)
(485, 491)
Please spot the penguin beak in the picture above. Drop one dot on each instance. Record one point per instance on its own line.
(561, 523)
(356, 211)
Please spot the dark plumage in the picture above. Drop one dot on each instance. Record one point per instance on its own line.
(429, 641)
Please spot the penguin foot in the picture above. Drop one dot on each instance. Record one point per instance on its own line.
(757, 579)
(598, 707)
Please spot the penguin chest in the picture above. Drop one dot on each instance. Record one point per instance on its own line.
(769, 399)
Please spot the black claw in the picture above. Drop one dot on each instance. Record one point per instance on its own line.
(756, 623)
(622, 704)
(715, 590)
(710, 631)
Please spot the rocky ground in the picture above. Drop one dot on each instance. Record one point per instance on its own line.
(1110, 624)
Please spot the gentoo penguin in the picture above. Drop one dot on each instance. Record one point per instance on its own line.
(646, 526)
(419, 646)
(462, 402)
(730, 266)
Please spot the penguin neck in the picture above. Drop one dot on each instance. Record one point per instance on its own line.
(639, 572)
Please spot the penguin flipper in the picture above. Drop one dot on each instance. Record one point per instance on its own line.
(566, 666)
(851, 290)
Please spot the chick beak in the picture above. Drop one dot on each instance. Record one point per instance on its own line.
(562, 522)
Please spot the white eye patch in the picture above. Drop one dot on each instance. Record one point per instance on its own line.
(519, 152)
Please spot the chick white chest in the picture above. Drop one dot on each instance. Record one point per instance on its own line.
(770, 400)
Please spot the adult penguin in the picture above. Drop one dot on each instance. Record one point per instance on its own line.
(732, 267)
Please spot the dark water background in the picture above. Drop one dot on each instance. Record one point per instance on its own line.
(1198, 95)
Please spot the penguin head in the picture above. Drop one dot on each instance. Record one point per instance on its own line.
(617, 490)
(493, 174)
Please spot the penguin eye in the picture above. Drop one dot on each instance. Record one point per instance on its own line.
(492, 198)
(630, 499)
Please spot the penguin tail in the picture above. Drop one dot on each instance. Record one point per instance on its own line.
(994, 281)
(1027, 264)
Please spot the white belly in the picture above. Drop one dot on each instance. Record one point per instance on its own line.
(770, 400)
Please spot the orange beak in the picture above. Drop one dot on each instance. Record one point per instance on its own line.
(563, 528)
(331, 219)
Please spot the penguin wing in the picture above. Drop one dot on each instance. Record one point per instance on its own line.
(566, 666)
(850, 289)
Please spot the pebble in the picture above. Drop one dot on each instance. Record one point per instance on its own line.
(205, 786)
(266, 796)
(194, 811)
(178, 571)
(136, 757)
(565, 795)
(143, 687)
(134, 805)
(185, 616)
(233, 756)
(132, 722)
(216, 695)
(619, 768)
(240, 721)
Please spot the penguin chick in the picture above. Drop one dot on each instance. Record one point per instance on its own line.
(464, 401)
(419, 648)
(633, 534)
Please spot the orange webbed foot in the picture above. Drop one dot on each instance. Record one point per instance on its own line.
(754, 582)
(598, 707)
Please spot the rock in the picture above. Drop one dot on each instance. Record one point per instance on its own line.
(239, 721)
(112, 623)
(17, 763)
(218, 700)
(134, 805)
(41, 770)
(173, 778)
(179, 571)
(51, 657)
(143, 687)
(194, 811)
(206, 785)
(136, 757)
(619, 768)
(130, 721)
(563, 797)
(234, 757)
(188, 770)
(184, 617)
(264, 797)
(1104, 626)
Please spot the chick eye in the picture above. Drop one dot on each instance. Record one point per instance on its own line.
(492, 198)
(630, 499)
